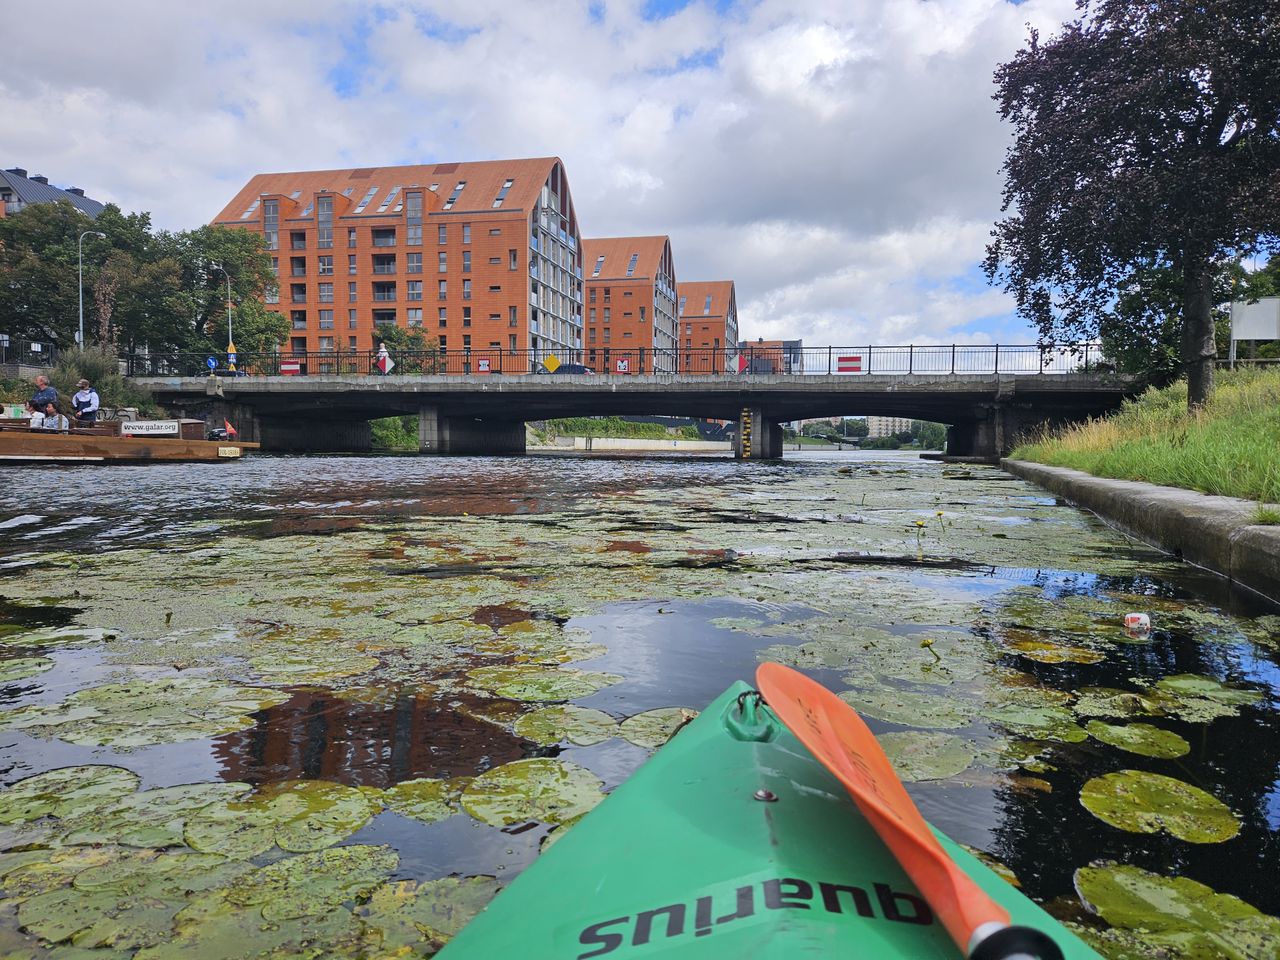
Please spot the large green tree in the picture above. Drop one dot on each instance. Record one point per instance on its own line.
(1147, 136)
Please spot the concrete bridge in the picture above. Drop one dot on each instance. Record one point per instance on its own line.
(987, 413)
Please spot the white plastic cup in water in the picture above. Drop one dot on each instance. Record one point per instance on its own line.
(1137, 624)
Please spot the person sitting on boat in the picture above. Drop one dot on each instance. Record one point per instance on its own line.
(43, 396)
(53, 420)
(86, 403)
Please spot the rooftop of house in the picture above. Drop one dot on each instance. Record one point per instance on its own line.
(22, 189)
(621, 258)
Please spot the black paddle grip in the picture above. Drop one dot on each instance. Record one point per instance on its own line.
(1021, 942)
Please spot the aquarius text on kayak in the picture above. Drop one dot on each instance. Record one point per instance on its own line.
(708, 913)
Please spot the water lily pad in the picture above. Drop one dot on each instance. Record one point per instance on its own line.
(151, 818)
(311, 663)
(894, 705)
(426, 799)
(410, 917)
(295, 815)
(1179, 914)
(63, 792)
(1198, 699)
(653, 728)
(310, 884)
(1040, 723)
(1110, 702)
(20, 668)
(566, 723)
(146, 712)
(1140, 738)
(541, 789)
(1046, 651)
(56, 868)
(927, 756)
(534, 683)
(54, 637)
(1142, 802)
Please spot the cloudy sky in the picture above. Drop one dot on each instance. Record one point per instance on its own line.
(839, 160)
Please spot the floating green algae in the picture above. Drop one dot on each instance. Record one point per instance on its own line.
(1178, 914)
(534, 683)
(1140, 738)
(927, 756)
(295, 815)
(1111, 702)
(912, 709)
(539, 789)
(55, 637)
(64, 792)
(426, 799)
(20, 668)
(653, 728)
(1048, 651)
(566, 724)
(409, 918)
(1142, 802)
(141, 713)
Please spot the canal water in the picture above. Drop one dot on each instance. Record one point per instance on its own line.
(328, 706)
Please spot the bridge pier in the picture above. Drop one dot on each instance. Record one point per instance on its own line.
(467, 436)
(758, 438)
(999, 429)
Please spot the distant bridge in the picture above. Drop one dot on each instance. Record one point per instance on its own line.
(483, 411)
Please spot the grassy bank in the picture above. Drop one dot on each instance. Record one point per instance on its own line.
(616, 427)
(1229, 448)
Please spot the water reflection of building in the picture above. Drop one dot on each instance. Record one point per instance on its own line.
(320, 736)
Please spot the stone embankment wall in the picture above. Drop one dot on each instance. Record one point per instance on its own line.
(1217, 533)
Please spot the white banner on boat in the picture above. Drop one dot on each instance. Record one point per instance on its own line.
(150, 428)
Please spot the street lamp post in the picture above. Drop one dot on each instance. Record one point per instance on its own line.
(231, 343)
(80, 259)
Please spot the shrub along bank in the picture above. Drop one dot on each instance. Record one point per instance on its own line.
(1228, 448)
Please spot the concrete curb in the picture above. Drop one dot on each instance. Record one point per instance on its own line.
(1212, 532)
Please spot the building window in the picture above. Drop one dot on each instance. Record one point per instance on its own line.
(384, 236)
(513, 316)
(324, 223)
(326, 319)
(453, 197)
(682, 300)
(466, 261)
(413, 263)
(495, 231)
(351, 264)
(599, 266)
(298, 344)
(444, 289)
(384, 263)
(326, 344)
(351, 319)
(298, 266)
(591, 334)
(351, 344)
(298, 240)
(513, 260)
(444, 317)
(502, 194)
(271, 223)
(351, 291)
(442, 233)
(466, 341)
(466, 289)
(443, 264)
(591, 315)
(272, 293)
(631, 266)
(607, 298)
(606, 334)
(385, 290)
(414, 290)
(706, 307)
(495, 288)
(326, 293)
(466, 233)
(298, 319)
(413, 316)
(325, 266)
(413, 235)
(466, 316)
(495, 260)
(511, 343)
(591, 295)
(688, 328)
(606, 315)
(384, 318)
(642, 316)
(351, 236)
(298, 292)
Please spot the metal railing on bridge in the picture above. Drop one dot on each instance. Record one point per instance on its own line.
(599, 361)
(29, 353)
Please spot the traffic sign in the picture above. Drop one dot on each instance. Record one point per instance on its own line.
(386, 364)
(211, 363)
(552, 363)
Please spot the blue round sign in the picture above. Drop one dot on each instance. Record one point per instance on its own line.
(211, 363)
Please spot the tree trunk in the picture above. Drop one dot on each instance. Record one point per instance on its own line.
(1199, 348)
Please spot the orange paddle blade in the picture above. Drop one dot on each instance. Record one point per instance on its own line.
(838, 738)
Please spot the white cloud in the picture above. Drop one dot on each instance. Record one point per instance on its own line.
(840, 161)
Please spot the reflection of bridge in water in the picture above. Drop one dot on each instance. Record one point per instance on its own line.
(989, 396)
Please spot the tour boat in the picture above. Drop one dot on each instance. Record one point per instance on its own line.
(144, 441)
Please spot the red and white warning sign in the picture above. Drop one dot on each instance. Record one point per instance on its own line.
(622, 365)
(290, 368)
(849, 364)
(482, 365)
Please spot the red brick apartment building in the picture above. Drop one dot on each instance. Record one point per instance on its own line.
(485, 256)
(708, 326)
(631, 305)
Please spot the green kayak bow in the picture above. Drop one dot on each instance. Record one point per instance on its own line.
(731, 842)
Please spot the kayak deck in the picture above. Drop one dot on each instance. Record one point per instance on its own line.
(684, 861)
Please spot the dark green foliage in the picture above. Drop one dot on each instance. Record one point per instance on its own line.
(412, 350)
(1147, 138)
(616, 427)
(101, 367)
(854, 427)
(931, 436)
(395, 433)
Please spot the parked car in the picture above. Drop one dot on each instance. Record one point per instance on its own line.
(578, 368)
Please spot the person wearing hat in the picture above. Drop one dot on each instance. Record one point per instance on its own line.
(86, 403)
